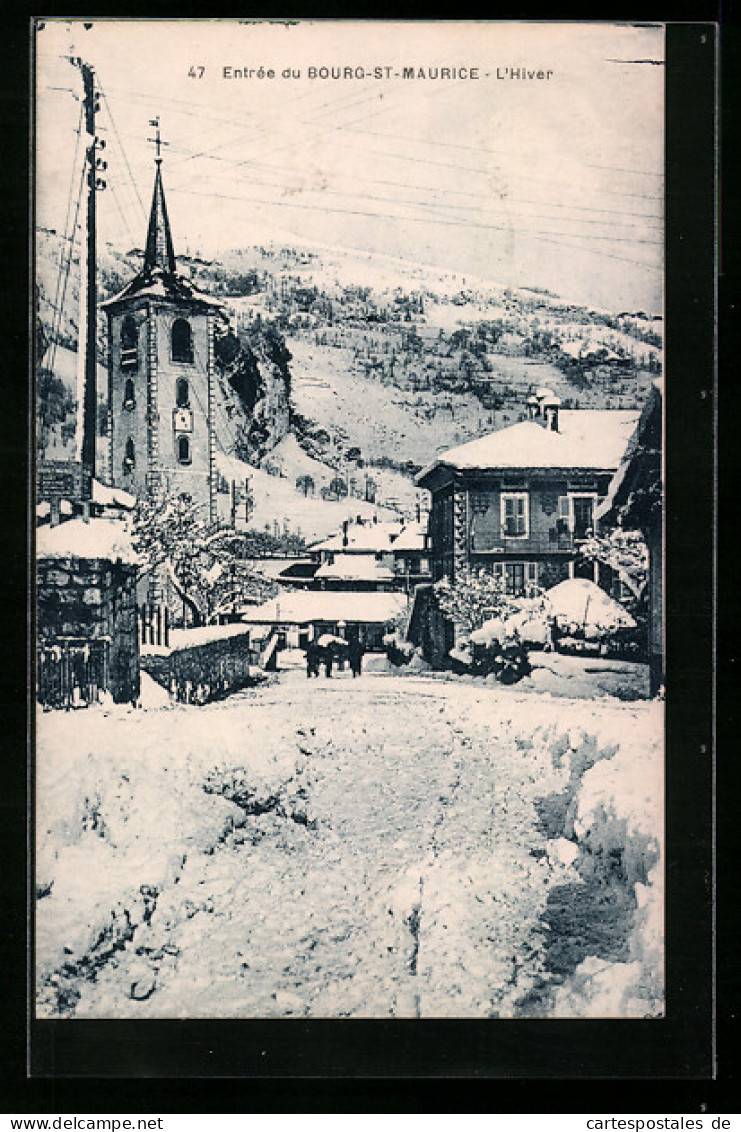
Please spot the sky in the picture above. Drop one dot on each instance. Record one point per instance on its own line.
(554, 183)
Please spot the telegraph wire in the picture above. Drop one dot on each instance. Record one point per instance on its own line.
(424, 220)
(59, 307)
(68, 242)
(123, 151)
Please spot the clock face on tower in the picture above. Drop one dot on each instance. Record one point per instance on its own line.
(182, 420)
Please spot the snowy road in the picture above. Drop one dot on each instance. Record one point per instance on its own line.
(393, 878)
(392, 862)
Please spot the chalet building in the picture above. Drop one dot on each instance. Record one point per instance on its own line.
(635, 502)
(519, 501)
(360, 573)
(377, 555)
(161, 375)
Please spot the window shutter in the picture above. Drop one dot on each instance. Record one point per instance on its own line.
(532, 572)
(563, 523)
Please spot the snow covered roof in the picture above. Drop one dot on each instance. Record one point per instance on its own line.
(363, 538)
(188, 638)
(298, 571)
(157, 284)
(305, 606)
(109, 539)
(278, 567)
(112, 496)
(356, 568)
(586, 438)
(412, 537)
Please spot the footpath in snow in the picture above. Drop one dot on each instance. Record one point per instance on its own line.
(392, 846)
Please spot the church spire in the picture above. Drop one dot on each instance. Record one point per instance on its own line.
(159, 250)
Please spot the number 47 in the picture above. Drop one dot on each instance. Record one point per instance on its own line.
(196, 72)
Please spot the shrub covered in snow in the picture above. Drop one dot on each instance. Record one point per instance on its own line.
(492, 650)
(476, 596)
(587, 620)
(398, 650)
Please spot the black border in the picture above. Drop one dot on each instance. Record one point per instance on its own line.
(678, 1049)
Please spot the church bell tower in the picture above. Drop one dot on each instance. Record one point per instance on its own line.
(161, 375)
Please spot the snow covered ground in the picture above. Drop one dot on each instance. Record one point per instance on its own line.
(400, 845)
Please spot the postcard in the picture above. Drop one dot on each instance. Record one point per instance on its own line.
(349, 520)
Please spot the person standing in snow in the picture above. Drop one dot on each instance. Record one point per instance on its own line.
(355, 653)
(313, 656)
(328, 657)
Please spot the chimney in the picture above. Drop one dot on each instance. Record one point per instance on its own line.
(550, 406)
(533, 408)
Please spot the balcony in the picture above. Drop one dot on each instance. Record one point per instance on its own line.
(550, 542)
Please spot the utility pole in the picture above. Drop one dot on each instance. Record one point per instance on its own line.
(89, 344)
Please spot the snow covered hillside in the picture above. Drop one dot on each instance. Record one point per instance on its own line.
(282, 508)
(368, 366)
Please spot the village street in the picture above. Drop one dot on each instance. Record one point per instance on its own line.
(390, 861)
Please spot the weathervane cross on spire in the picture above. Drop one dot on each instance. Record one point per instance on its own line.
(157, 140)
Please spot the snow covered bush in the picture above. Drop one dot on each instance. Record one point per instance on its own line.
(492, 650)
(587, 620)
(398, 650)
(625, 552)
(476, 596)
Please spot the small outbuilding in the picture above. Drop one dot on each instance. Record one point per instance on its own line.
(86, 633)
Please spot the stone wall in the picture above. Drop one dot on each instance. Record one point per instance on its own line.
(204, 672)
(92, 599)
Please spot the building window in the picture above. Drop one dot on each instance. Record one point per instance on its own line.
(129, 344)
(582, 515)
(129, 461)
(520, 578)
(585, 569)
(182, 394)
(515, 514)
(184, 456)
(576, 514)
(129, 401)
(182, 341)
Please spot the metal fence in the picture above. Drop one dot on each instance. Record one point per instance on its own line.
(71, 671)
